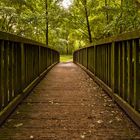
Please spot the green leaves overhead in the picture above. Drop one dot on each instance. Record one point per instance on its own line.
(69, 28)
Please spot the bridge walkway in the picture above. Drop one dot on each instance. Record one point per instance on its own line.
(68, 105)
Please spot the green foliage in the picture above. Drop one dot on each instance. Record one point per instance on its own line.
(67, 28)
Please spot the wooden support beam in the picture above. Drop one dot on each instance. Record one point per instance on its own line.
(128, 72)
(113, 66)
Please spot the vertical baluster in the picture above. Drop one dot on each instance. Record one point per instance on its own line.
(2, 74)
(5, 73)
(119, 73)
(94, 55)
(138, 75)
(22, 66)
(123, 70)
(134, 49)
(11, 70)
(113, 66)
(87, 57)
(108, 62)
(19, 70)
(128, 72)
(39, 57)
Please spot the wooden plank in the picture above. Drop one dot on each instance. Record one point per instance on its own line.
(95, 59)
(15, 69)
(18, 39)
(135, 76)
(106, 53)
(87, 58)
(10, 71)
(138, 76)
(2, 75)
(123, 71)
(13, 104)
(128, 72)
(5, 80)
(119, 56)
(19, 69)
(109, 64)
(124, 105)
(113, 66)
(22, 66)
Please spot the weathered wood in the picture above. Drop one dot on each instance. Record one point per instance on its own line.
(113, 66)
(128, 72)
(10, 71)
(2, 75)
(119, 72)
(123, 70)
(5, 73)
(118, 67)
(138, 76)
(20, 64)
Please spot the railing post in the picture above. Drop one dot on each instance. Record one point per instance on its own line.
(11, 76)
(128, 71)
(6, 73)
(87, 56)
(123, 71)
(136, 75)
(94, 59)
(22, 66)
(2, 75)
(113, 66)
(39, 57)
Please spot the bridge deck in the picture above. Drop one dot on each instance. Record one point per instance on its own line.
(68, 104)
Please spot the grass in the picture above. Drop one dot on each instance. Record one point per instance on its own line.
(66, 58)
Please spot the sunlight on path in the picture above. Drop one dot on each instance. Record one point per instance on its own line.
(66, 58)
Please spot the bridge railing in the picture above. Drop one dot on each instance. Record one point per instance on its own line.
(115, 64)
(23, 63)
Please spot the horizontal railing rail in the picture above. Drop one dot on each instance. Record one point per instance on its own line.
(23, 62)
(115, 64)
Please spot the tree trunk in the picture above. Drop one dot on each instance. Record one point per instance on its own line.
(107, 15)
(87, 20)
(121, 15)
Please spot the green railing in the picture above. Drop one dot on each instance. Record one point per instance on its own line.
(23, 63)
(115, 64)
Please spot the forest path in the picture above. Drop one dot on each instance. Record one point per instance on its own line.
(68, 105)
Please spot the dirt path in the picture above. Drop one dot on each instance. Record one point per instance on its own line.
(68, 105)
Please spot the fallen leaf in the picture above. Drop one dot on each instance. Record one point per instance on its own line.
(31, 137)
(110, 121)
(99, 121)
(18, 125)
(118, 119)
(82, 136)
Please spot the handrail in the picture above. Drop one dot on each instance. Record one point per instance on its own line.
(115, 64)
(23, 62)
(117, 38)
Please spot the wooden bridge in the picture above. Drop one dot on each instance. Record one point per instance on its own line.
(66, 103)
